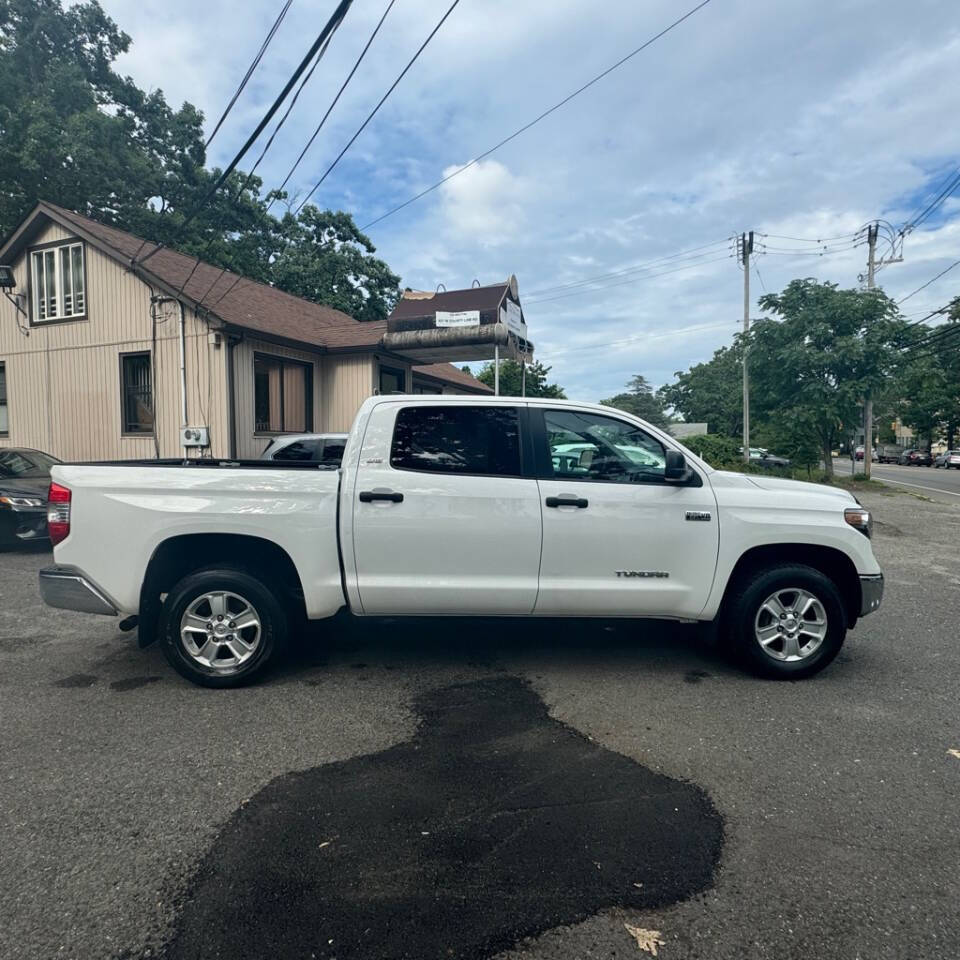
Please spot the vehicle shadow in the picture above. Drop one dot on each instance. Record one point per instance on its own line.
(414, 643)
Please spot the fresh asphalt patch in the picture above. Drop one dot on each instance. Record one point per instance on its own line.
(494, 823)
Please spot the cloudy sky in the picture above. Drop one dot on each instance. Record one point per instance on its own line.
(795, 118)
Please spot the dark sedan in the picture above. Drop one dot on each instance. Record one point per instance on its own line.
(24, 480)
(916, 458)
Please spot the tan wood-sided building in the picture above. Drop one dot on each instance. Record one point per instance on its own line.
(110, 346)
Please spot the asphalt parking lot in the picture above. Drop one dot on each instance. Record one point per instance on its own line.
(447, 789)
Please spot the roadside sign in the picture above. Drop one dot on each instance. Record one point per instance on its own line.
(460, 318)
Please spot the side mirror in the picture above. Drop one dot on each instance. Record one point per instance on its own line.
(675, 467)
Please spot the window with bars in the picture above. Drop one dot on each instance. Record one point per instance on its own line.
(57, 278)
(137, 393)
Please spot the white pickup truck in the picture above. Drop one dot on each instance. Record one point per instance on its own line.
(457, 506)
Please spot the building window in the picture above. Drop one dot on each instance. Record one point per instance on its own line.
(392, 380)
(137, 391)
(481, 441)
(282, 395)
(58, 283)
(4, 412)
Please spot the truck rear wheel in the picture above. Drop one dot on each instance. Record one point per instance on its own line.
(785, 623)
(221, 627)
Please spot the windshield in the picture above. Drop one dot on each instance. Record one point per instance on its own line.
(25, 464)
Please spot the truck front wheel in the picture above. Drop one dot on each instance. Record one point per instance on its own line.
(221, 627)
(785, 623)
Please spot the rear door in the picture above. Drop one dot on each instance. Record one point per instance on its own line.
(446, 511)
(618, 539)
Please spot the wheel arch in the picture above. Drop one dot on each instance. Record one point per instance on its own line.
(180, 555)
(831, 562)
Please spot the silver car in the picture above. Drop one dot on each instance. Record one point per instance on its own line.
(948, 459)
(323, 449)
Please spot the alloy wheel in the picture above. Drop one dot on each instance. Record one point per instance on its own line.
(220, 630)
(791, 624)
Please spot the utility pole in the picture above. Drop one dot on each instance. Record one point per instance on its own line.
(872, 231)
(746, 248)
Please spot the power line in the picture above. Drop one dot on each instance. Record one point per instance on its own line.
(625, 270)
(775, 236)
(949, 186)
(337, 16)
(650, 276)
(383, 100)
(756, 270)
(333, 103)
(945, 339)
(253, 66)
(370, 116)
(250, 174)
(956, 263)
(536, 120)
(930, 315)
(703, 327)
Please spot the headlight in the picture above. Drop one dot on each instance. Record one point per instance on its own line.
(21, 501)
(859, 518)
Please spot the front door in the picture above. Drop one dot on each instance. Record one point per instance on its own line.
(618, 539)
(445, 522)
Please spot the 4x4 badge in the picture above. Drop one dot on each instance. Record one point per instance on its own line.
(698, 514)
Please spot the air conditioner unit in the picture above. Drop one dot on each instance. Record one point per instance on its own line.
(195, 436)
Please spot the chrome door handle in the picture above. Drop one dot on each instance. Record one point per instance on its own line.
(579, 502)
(368, 496)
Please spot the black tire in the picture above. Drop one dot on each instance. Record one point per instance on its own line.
(270, 636)
(744, 604)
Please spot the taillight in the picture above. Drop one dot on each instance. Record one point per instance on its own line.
(58, 513)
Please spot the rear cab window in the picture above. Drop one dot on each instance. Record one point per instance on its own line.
(458, 439)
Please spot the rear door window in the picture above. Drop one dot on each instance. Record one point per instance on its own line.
(477, 441)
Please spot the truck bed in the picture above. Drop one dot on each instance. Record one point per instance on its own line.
(128, 508)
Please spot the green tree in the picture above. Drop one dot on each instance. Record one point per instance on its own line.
(811, 368)
(511, 378)
(710, 392)
(640, 400)
(928, 385)
(74, 132)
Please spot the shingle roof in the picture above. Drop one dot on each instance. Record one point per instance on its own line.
(474, 298)
(451, 374)
(248, 304)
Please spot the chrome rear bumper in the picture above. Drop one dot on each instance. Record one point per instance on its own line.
(69, 588)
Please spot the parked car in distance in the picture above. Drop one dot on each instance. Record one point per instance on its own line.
(24, 481)
(948, 459)
(466, 507)
(858, 454)
(324, 449)
(889, 453)
(916, 458)
(764, 458)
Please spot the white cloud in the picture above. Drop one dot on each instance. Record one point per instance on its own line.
(486, 201)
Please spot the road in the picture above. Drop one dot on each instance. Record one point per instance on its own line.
(431, 790)
(940, 484)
